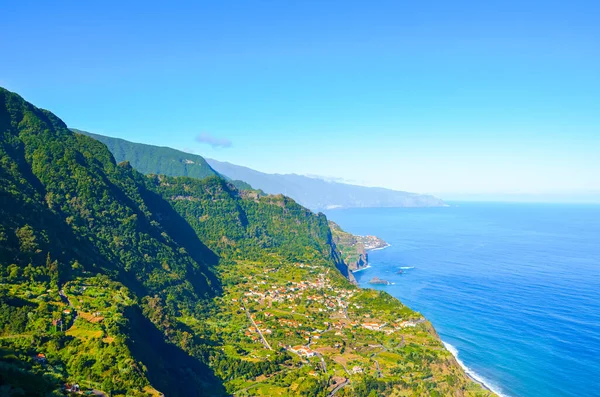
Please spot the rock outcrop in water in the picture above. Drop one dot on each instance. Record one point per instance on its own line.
(379, 281)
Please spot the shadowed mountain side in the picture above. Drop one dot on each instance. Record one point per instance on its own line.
(181, 231)
(75, 224)
(170, 370)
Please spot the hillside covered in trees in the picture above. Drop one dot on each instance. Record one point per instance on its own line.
(149, 159)
(137, 285)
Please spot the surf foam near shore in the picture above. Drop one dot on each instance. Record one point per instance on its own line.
(472, 374)
(379, 248)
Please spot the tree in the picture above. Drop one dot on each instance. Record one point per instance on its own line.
(13, 272)
(52, 269)
(27, 240)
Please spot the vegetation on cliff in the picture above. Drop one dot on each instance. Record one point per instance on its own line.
(149, 159)
(135, 284)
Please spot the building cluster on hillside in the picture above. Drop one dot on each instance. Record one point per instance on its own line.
(372, 242)
(319, 291)
(318, 294)
(410, 323)
(303, 351)
(373, 326)
(253, 332)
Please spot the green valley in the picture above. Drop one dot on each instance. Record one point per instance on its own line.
(142, 285)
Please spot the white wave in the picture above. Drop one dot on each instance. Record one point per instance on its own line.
(472, 373)
(361, 269)
(406, 267)
(380, 248)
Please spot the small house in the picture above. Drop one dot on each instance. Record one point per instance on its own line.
(40, 358)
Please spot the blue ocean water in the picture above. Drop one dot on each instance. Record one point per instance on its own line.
(513, 288)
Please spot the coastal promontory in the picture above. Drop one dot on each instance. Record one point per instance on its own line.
(355, 248)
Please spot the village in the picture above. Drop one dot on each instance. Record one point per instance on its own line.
(303, 311)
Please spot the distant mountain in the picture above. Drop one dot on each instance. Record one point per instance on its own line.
(319, 194)
(314, 193)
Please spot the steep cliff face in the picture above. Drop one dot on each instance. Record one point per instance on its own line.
(341, 264)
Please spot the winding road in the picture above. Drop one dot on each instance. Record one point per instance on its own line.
(338, 388)
(378, 369)
(66, 300)
(323, 365)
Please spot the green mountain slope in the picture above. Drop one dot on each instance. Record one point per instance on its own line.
(134, 284)
(73, 219)
(149, 159)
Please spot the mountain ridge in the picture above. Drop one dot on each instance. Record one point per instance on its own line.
(321, 194)
(314, 193)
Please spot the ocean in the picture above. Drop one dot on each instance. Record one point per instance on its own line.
(512, 289)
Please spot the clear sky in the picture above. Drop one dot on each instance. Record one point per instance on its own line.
(446, 97)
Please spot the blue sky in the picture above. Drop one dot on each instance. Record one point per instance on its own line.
(453, 98)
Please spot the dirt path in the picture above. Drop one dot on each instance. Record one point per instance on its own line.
(264, 341)
(66, 300)
(323, 364)
(338, 388)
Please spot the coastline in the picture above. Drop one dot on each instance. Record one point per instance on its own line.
(475, 377)
(472, 375)
(361, 269)
(378, 248)
(368, 250)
